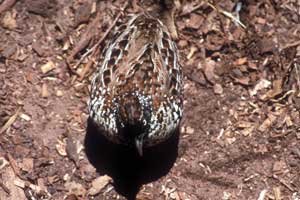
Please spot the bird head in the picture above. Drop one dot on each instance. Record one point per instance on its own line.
(134, 116)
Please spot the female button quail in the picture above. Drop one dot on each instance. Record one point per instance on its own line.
(136, 93)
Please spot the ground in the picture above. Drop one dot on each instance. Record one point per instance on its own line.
(240, 134)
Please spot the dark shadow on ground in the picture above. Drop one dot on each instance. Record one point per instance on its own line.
(128, 170)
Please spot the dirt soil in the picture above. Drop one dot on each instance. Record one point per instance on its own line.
(240, 134)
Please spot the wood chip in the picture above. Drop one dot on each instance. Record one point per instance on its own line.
(192, 52)
(244, 124)
(9, 21)
(261, 20)
(218, 89)
(59, 93)
(3, 162)
(27, 165)
(10, 121)
(6, 4)
(61, 148)
(240, 61)
(13, 164)
(276, 90)
(247, 131)
(98, 184)
(25, 117)
(20, 183)
(262, 195)
(44, 91)
(298, 135)
(4, 188)
(75, 188)
(189, 130)
(267, 123)
(72, 148)
(262, 84)
(209, 71)
(47, 67)
(277, 193)
(279, 167)
(194, 21)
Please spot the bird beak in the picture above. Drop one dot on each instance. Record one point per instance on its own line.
(139, 145)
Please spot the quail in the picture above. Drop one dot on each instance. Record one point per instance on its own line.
(136, 92)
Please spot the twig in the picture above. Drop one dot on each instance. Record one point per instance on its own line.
(88, 52)
(13, 164)
(283, 183)
(92, 50)
(293, 44)
(297, 76)
(189, 11)
(111, 26)
(85, 39)
(4, 188)
(86, 69)
(227, 14)
(6, 5)
(262, 194)
(10, 121)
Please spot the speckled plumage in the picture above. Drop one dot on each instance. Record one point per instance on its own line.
(137, 88)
